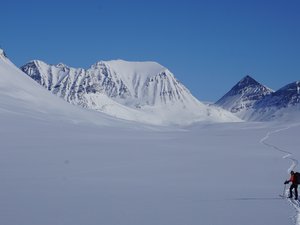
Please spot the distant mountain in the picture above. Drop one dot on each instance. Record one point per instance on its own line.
(281, 103)
(139, 91)
(241, 99)
(250, 100)
(287, 96)
(132, 84)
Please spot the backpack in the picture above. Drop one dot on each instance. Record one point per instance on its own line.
(297, 178)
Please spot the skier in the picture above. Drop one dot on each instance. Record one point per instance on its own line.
(294, 185)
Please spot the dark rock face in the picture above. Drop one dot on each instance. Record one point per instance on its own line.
(287, 96)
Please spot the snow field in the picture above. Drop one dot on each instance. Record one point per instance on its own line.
(81, 174)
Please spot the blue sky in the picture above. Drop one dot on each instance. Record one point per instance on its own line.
(208, 45)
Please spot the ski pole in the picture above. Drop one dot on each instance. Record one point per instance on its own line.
(283, 194)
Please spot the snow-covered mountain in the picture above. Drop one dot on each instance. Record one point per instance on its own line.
(287, 96)
(25, 99)
(283, 103)
(241, 99)
(250, 100)
(139, 91)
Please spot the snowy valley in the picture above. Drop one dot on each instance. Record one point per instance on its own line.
(67, 165)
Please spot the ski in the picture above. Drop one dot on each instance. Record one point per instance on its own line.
(293, 201)
(296, 203)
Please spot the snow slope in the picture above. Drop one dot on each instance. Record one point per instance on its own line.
(139, 91)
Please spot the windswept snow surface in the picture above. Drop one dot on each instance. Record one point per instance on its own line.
(63, 173)
(61, 165)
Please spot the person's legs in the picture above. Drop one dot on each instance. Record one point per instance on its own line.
(296, 191)
(294, 186)
(291, 191)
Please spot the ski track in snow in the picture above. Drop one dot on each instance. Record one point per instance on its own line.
(287, 155)
(296, 206)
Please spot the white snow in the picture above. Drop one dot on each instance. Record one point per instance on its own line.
(66, 166)
(126, 69)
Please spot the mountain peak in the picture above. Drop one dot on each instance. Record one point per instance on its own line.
(131, 67)
(2, 53)
(246, 81)
(285, 97)
(36, 62)
(40, 63)
(248, 85)
(243, 96)
(61, 65)
(293, 88)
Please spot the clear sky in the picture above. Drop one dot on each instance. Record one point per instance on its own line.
(208, 45)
